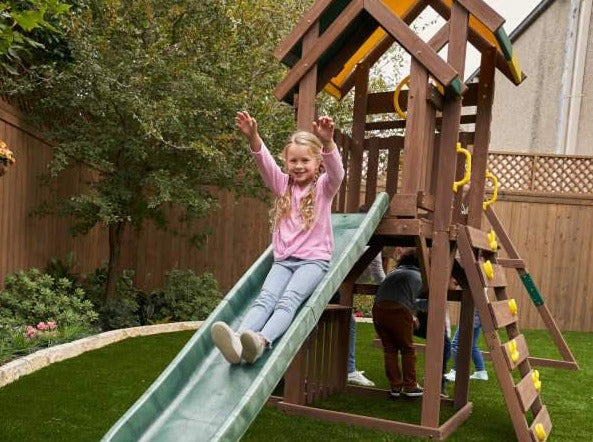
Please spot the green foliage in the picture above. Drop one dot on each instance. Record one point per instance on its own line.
(121, 312)
(14, 342)
(31, 296)
(25, 27)
(187, 297)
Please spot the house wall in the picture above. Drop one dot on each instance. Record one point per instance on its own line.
(526, 117)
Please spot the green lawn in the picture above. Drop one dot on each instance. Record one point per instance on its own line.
(79, 399)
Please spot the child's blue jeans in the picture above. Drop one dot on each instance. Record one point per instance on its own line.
(288, 284)
(476, 354)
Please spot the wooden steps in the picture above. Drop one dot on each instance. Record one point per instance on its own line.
(510, 353)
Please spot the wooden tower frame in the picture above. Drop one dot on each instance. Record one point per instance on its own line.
(333, 47)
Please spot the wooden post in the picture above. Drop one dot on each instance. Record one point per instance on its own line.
(308, 85)
(416, 139)
(357, 147)
(475, 196)
(440, 268)
(295, 375)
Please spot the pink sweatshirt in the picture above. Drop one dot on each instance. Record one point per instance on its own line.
(290, 239)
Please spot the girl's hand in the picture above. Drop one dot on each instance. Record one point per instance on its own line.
(248, 127)
(324, 129)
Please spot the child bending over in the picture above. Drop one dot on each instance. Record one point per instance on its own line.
(302, 236)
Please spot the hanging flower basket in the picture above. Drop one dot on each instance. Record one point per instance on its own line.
(6, 157)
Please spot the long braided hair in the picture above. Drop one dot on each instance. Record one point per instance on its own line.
(282, 205)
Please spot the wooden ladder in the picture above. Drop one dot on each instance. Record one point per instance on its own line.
(485, 276)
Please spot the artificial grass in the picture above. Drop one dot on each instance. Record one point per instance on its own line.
(79, 399)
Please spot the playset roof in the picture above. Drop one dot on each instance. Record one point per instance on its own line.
(353, 31)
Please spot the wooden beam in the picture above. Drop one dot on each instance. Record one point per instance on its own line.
(408, 17)
(361, 421)
(325, 41)
(477, 40)
(358, 123)
(410, 41)
(441, 259)
(475, 196)
(484, 13)
(308, 84)
(310, 17)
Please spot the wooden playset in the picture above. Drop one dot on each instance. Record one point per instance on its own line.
(437, 207)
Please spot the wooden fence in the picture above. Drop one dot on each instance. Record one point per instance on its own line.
(550, 229)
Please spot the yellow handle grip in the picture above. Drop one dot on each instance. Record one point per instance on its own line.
(468, 167)
(396, 93)
(398, 89)
(491, 177)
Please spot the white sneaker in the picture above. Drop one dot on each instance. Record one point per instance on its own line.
(481, 375)
(450, 376)
(358, 378)
(227, 342)
(253, 345)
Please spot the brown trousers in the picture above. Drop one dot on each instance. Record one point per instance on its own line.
(395, 326)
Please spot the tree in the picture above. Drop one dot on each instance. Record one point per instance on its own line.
(25, 27)
(147, 102)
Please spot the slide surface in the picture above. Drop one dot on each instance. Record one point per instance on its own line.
(200, 396)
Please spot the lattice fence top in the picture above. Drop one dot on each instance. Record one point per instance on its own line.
(542, 173)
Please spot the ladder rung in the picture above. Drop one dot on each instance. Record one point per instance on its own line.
(526, 392)
(499, 279)
(542, 418)
(520, 354)
(502, 314)
(511, 263)
(479, 240)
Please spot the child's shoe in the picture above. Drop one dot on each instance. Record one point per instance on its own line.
(358, 378)
(395, 393)
(481, 375)
(416, 391)
(450, 376)
(227, 342)
(253, 345)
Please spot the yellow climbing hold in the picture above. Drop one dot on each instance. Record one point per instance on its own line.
(513, 307)
(540, 432)
(488, 269)
(513, 350)
(536, 382)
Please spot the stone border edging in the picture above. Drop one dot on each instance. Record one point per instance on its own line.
(13, 370)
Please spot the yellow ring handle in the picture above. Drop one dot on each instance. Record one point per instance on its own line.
(513, 307)
(398, 89)
(468, 167)
(396, 93)
(491, 177)
(540, 432)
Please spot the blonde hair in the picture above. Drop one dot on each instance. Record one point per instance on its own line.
(282, 205)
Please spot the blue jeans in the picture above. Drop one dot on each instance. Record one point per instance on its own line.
(476, 354)
(288, 284)
(352, 348)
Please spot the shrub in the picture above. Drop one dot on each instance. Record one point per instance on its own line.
(31, 296)
(121, 312)
(184, 297)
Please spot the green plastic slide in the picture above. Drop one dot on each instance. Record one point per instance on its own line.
(200, 396)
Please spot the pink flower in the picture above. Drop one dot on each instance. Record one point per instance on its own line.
(358, 314)
(42, 326)
(31, 332)
(52, 325)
